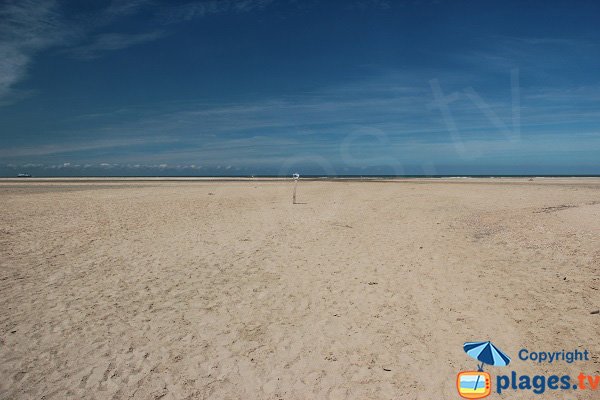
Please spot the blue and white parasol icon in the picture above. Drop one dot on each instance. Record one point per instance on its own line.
(486, 353)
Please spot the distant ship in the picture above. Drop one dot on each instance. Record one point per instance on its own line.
(24, 176)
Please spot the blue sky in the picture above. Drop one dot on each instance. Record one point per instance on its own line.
(243, 87)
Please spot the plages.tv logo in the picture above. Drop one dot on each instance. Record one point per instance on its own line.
(478, 384)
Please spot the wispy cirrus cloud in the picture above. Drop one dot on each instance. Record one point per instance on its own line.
(397, 107)
(106, 42)
(88, 145)
(364, 4)
(196, 9)
(541, 54)
(26, 27)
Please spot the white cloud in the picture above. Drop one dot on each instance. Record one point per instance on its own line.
(41, 150)
(26, 27)
(113, 41)
(197, 9)
(30, 26)
(364, 4)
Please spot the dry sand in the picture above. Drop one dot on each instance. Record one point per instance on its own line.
(225, 290)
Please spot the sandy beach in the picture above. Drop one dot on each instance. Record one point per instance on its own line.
(226, 290)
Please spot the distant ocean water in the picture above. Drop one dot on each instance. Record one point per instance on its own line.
(301, 176)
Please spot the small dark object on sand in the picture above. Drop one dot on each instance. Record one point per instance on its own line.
(595, 312)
